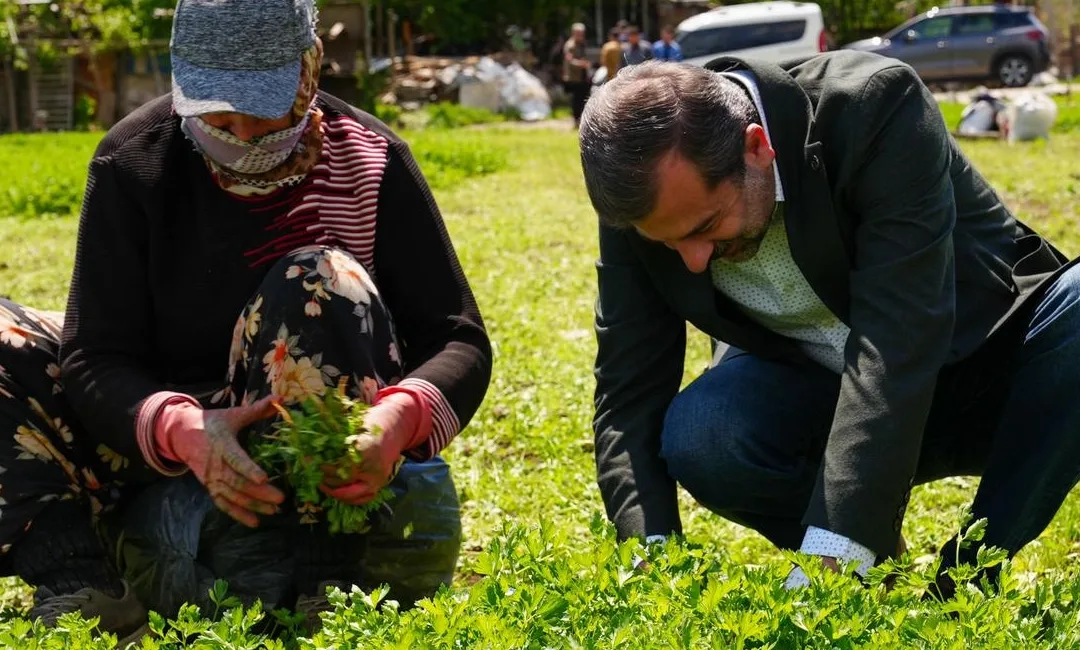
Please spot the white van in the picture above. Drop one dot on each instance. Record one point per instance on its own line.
(769, 31)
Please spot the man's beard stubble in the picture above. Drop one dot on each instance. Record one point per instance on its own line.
(760, 192)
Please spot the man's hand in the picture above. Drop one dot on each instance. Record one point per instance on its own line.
(651, 542)
(391, 424)
(831, 563)
(206, 441)
(796, 578)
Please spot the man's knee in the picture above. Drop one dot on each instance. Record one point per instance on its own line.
(745, 431)
(1058, 312)
(1068, 286)
(700, 444)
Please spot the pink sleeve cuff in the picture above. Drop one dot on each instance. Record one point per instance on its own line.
(150, 438)
(438, 423)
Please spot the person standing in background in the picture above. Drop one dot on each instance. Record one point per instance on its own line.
(576, 79)
(553, 62)
(667, 49)
(611, 54)
(636, 50)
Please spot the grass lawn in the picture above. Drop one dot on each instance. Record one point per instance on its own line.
(527, 239)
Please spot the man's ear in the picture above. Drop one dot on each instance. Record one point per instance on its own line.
(759, 153)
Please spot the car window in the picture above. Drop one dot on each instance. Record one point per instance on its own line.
(974, 24)
(771, 33)
(1012, 19)
(704, 42)
(938, 27)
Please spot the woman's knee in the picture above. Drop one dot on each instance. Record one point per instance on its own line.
(320, 287)
(29, 335)
(320, 274)
(317, 317)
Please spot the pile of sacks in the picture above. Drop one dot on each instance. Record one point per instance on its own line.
(1029, 116)
(478, 82)
(489, 84)
(420, 80)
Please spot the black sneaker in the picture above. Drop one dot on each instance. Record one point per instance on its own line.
(125, 616)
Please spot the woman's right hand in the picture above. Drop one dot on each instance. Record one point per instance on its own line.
(206, 441)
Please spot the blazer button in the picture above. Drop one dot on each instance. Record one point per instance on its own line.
(815, 162)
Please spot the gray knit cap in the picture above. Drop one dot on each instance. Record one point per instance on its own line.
(239, 56)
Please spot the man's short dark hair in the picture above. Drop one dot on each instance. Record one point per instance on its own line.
(633, 29)
(667, 29)
(645, 113)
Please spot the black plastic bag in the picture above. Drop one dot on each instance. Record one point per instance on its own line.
(171, 544)
(415, 550)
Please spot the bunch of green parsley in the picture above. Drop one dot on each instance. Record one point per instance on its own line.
(321, 433)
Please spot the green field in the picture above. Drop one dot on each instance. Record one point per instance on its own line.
(539, 567)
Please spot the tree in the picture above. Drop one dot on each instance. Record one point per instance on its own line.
(483, 23)
(89, 28)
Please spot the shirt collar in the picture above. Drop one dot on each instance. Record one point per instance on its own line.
(747, 81)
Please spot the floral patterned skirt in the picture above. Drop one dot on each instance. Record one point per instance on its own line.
(44, 454)
(316, 318)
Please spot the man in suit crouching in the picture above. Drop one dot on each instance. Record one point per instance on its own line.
(890, 321)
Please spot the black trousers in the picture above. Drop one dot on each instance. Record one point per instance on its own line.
(579, 92)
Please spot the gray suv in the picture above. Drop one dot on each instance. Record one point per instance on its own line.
(988, 43)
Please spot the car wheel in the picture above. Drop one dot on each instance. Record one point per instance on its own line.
(1015, 71)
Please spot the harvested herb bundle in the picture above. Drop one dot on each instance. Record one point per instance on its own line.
(322, 432)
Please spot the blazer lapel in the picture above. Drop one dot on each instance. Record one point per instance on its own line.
(810, 218)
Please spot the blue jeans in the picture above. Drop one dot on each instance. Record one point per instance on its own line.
(746, 438)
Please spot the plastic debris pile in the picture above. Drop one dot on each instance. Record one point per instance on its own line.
(478, 82)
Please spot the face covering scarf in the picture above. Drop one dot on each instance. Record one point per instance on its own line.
(273, 161)
(252, 157)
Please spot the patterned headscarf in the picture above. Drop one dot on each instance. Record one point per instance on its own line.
(303, 160)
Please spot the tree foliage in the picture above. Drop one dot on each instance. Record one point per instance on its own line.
(483, 23)
(87, 26)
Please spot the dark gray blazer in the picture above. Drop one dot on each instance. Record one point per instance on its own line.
(899, 236)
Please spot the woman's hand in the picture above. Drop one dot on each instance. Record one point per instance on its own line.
(392, 422)
(206, 441)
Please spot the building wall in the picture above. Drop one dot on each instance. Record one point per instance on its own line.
(53, 94)
(136, 82)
